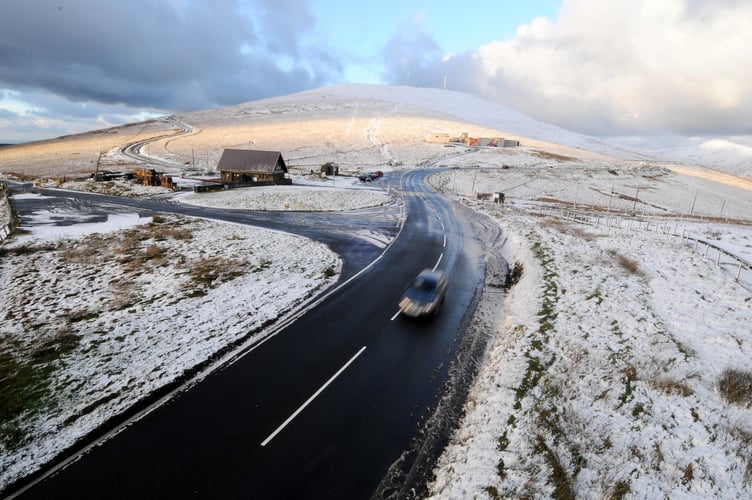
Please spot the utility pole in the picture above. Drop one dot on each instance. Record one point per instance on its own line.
(96, 172)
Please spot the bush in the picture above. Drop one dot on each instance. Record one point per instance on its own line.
(515, 274)
(736, 386)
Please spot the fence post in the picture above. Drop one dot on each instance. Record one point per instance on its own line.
(739, 271)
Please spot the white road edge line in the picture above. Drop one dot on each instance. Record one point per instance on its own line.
(438, 262)
(309, 400)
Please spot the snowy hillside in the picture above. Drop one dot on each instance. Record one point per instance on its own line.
(349, 117)
(479, 111)
(718, 154)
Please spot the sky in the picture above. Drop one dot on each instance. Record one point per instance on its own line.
(645, 72)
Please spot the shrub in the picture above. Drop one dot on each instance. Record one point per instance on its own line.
(515, 274)
(736, 386)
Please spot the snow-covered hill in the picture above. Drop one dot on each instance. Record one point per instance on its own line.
(718, 154)
(397, 114)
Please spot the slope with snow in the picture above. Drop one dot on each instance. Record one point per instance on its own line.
(606, 372)
(717, 154)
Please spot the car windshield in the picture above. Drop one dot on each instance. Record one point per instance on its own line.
(424, 287)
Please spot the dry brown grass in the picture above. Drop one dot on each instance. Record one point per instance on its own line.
(671, 386)
(570, 229)
(552, 156)
(629, 265)
(736, 386)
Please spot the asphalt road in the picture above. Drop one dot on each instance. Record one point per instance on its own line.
(322, 409)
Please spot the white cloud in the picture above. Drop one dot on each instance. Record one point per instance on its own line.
(647, 64)
(620, 68)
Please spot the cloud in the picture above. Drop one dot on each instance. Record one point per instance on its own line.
(615, 68)
(177, 54)
(36, 115)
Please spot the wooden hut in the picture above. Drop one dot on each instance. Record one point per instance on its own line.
(251, 167)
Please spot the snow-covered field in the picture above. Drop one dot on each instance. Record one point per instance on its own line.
(605, 379)
(304, 198)
(96, 316)
(610, 372)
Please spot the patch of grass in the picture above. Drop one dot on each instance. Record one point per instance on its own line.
(744, 449)
(638, 410)
(25, 382)
(537, 362)
(503, 442)
(30, 249)
(492, 492)
(501, 470)
(56, 347)
(630, 376)
(659, 458)
(736, 386)
(559, 479)
(671, 386)
(153, 251)
(82, 315)
(629, 265)
(552, 156)
(620, 490)
(208, 273)
(597, 295)
(689, 474)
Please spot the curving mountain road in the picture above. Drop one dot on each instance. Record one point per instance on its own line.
(133, 150)
(339, 404)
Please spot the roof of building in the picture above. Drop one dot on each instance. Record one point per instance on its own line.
(249, 160)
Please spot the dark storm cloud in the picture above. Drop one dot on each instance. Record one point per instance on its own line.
(175, 54)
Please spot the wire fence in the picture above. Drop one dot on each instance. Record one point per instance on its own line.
(737, 266)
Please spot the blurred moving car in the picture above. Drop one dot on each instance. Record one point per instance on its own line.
(425, 295)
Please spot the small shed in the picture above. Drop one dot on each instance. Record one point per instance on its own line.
(247, 166)
(330, 168)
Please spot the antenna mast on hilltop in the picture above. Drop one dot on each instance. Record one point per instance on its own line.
(445, 80)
